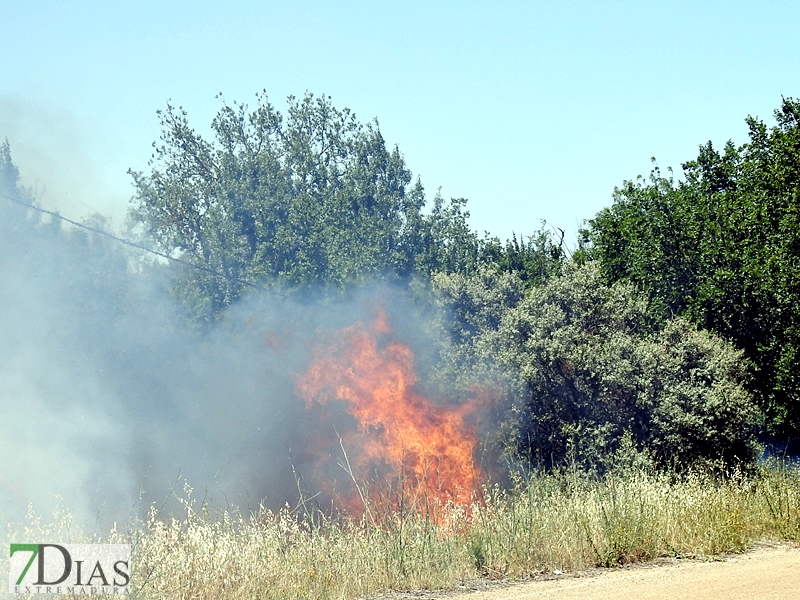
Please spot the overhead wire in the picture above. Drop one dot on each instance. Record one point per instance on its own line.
(129, 242)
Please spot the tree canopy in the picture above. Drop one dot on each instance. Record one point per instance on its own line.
(722, 247)
(312, 198)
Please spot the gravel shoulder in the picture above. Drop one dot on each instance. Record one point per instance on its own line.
(767, 572)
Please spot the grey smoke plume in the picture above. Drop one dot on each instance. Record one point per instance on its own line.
(109, 397)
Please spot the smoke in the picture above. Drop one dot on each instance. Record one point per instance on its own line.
(110, 398)
(59, 160)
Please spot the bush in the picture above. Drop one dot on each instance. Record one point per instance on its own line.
(581, 368)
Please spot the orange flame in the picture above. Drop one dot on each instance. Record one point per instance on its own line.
(424, 451)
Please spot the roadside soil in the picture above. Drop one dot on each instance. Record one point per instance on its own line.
(767, 572)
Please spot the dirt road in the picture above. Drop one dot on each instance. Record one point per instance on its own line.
(768, 573)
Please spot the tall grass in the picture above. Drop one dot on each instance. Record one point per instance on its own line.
(545, 523)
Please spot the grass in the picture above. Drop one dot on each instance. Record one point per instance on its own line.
(544, 524)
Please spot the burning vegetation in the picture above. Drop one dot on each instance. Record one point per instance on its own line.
(403, 451)
(586, 375)
(272, 227)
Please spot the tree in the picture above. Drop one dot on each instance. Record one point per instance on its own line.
(535, 258)
(722, 248)
(316, 198)
(18, 224)
(9, 174)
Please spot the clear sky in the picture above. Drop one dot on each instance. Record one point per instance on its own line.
(531, 110)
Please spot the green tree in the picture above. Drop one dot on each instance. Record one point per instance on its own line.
(315, 198)
(535, 258)
(722, 247)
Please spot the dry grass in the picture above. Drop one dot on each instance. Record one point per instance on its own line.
(545, 524)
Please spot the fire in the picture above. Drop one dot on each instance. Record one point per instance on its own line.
(423, 451)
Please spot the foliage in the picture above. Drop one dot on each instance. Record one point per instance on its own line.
(78, 277)
(535, 258)
(9, 174)
(583, 368)
(722, 248)
(316, 198)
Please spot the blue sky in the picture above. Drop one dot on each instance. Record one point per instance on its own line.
(531, 110)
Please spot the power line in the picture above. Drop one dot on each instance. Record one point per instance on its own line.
(129, 243)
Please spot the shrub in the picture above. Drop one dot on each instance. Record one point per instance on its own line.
(581, 367)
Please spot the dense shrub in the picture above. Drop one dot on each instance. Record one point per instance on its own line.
(585, 375)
